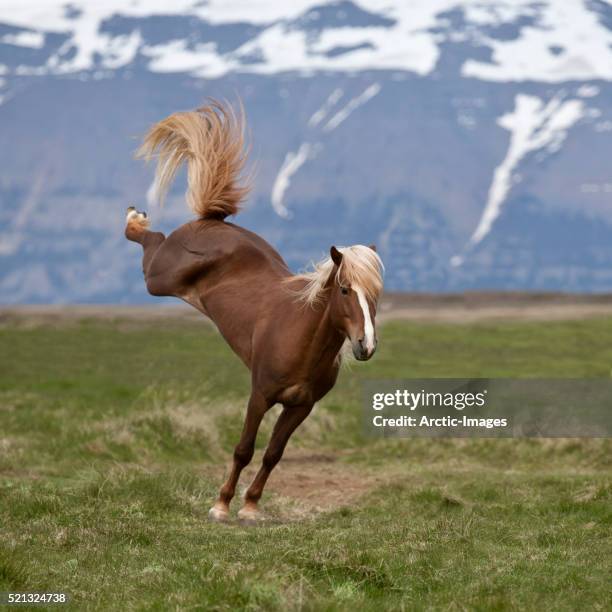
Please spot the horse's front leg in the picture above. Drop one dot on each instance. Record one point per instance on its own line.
(243, 453)
(288, 421)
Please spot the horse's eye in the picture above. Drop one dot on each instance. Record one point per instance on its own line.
(344, 290)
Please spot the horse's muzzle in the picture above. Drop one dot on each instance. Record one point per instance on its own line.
(361, 351)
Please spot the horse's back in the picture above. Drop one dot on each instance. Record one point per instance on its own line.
(223, 245)
(231, 274)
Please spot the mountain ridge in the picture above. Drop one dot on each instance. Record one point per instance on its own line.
(442, 147)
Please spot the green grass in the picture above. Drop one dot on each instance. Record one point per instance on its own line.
(114, 438)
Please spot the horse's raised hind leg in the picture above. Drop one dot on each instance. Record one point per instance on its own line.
(137, 230)
(243, 453)
(289, 420)
(136, 225)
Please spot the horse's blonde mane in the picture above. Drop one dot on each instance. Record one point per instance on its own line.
(361, 267)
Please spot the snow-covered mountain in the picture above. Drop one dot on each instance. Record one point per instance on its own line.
(469, 139)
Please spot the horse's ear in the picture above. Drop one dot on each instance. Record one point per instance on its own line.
(373, 247)
(336, 255)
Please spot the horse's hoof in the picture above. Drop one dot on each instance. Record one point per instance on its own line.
(250, 515)
(218, 515)
(136, 223)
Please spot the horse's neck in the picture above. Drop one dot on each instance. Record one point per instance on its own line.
(322, 340)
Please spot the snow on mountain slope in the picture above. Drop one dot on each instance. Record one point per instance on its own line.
(293, 162)
(533, 125)
(558, 40)
(469, 138)
(344, 113)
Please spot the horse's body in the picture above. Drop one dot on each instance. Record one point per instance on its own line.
(288, 330)
(217, 267)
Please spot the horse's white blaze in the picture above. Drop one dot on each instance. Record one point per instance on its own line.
(368, 327)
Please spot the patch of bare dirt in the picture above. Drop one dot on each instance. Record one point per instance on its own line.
(305, 484)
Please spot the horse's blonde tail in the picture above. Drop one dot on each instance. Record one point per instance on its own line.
(211, 141)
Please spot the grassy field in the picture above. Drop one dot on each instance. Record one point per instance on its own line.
(115, 436)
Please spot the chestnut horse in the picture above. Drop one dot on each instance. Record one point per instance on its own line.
(287, 329)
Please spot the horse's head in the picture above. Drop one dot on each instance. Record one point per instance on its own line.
(354, 286)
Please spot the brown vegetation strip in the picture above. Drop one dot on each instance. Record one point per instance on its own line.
(452, 308)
